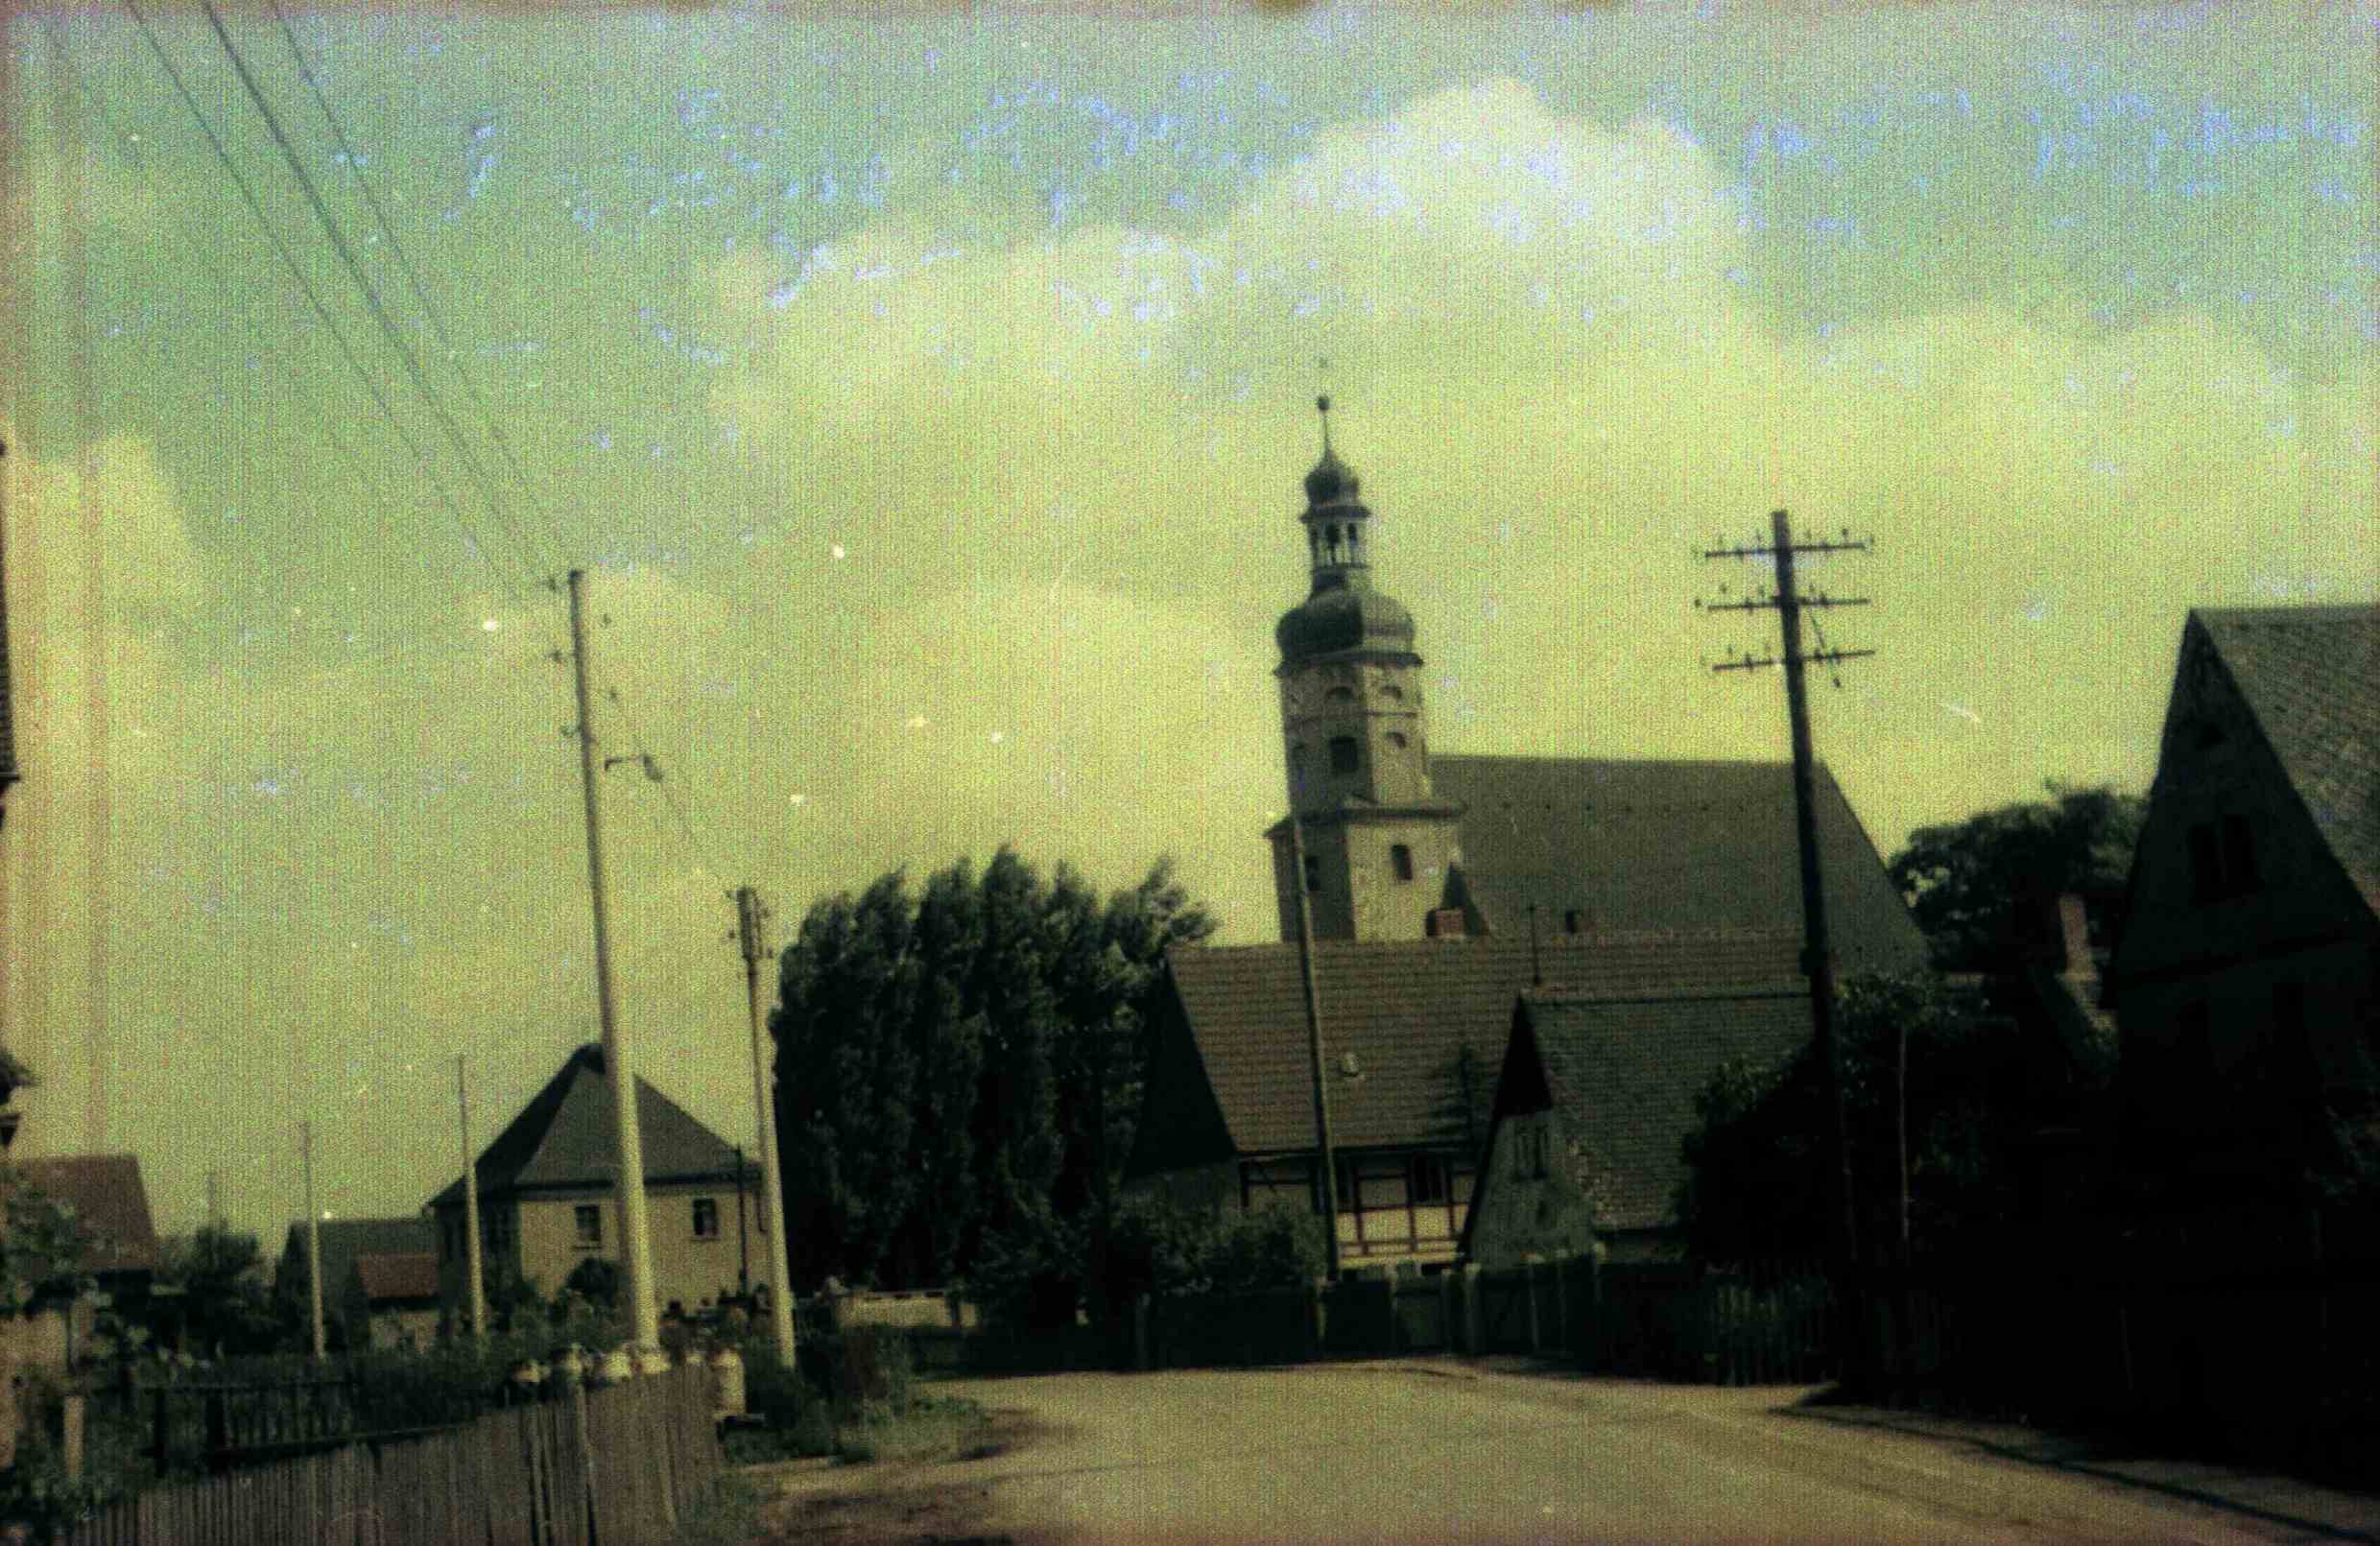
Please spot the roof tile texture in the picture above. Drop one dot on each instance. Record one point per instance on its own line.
(2311, 675)
(1405, 1012)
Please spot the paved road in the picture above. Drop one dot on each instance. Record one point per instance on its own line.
(1435, 1451)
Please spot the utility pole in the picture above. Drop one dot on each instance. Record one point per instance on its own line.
(1817, 956)
(747, 916)
(635, 1246)
(478, 1297)
(1314, 1045)
(313, 1240)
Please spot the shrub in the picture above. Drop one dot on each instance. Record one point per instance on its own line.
(1158, 1246)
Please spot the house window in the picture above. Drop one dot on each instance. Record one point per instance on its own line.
(1429, 1178)
(1340, 695)
(706, 1217)
(1344, 756)
(590, 1220)
(1400, 859)
(1391, 692)
(1396, 740)
(2223, 858)
(1314, 873)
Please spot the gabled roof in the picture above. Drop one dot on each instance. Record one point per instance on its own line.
(2311, 676)
(565, 1138)
(403, 1275)
(345, 1239)
(111, 1204)
(1622, 1074)
(1659, 844)
(1405, 1011)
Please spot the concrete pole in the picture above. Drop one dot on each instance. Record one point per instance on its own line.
(635, 1245)
(1314, 1046)
(478, 1295)
(314, 1241)
(772, 1179)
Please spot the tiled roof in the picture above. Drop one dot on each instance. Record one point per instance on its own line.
(567, 1136)
(1641, 845)
(345, 1239)
(1405, 1010)
(109, 1203)
(405, 1274)
(1624, 1072)
(2311, 675)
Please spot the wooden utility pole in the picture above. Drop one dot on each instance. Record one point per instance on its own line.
(1817, 956)
(635, 1247)
(1314, 1045)
(478, 1298)
(748, 915)
(314, 1241)
(214, 1199)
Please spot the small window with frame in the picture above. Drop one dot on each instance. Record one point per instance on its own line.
(589, 1220)
(1400, 859)
(706, 1217)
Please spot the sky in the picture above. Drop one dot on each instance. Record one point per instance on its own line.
(927, 397)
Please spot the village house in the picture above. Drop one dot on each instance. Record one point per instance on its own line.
(392, 1295)
(122, 1252)
(548, 1198)
(2244, 981)
(1440, 887)
(344, 1242)
(1596, 1097)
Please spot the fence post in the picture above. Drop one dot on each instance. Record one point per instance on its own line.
(1529, 1286)
(1446, 1311)
(1561, 1310)
(1140, 1332)
(1473, 1340)
(218, 1428)
(157, 1447)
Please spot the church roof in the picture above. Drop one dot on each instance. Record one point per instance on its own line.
(1667, 845)
(2311, 676)
(1622, 1073)
(1343, 617)
(565, 1138)
(1406, 1012)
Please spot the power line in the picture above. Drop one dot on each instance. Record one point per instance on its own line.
(314, 299)
(371, 296)
(412, 276)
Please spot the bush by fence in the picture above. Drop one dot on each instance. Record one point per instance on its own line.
(621, 1465)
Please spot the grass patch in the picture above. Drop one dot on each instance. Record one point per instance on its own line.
(731, 1517)
(934, 1427)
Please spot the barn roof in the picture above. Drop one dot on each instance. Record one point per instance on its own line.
(1406, 1012)
(1623, 1073)
(345, 1239)
(1668, 844)
(565, 1138)
(111, 1206)
(397, 1274)
(2311, 676)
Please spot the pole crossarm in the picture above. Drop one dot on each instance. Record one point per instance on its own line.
(1815, 656)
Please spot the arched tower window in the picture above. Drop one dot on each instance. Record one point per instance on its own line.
(1396, 739)
(1345, 756)
(1391, 692)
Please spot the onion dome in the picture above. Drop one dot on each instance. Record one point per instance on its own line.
(1343, 617)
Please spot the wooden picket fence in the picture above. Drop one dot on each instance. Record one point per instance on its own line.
(615, 1466)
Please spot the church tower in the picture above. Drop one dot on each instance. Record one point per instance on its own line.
(1378, 844)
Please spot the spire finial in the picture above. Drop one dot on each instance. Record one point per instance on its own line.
(1322, 403)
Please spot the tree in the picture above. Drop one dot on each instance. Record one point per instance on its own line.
(597, 1281)
(1757, 1181)
(959, 1073)
(1965, 881)
(217, 1275)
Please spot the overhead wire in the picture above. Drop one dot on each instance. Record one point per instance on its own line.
(355, 270)
(371, 384)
